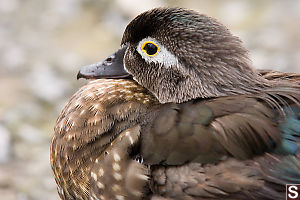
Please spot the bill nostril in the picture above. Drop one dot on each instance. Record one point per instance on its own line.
(109, 59)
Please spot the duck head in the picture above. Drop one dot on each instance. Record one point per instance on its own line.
(179, 55)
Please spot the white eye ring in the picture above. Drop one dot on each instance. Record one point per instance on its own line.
(162, 56)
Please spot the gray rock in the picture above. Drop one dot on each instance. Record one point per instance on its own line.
(5, 145)
(45, 83)
(30, 134)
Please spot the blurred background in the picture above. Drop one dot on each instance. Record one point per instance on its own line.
(44, 43)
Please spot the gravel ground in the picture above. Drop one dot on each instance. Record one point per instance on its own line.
(44, 43)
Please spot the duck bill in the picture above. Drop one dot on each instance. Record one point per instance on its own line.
(112, 67)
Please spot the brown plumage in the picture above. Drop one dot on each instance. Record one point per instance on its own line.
(200, 125)
(101, 109)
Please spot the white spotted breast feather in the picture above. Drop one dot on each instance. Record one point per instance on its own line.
(92, 140)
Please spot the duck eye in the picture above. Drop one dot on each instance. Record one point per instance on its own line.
(150, 48)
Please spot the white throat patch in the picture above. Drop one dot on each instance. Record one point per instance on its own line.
(163, 57)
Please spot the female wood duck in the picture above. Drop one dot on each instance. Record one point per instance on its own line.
(178, 113)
